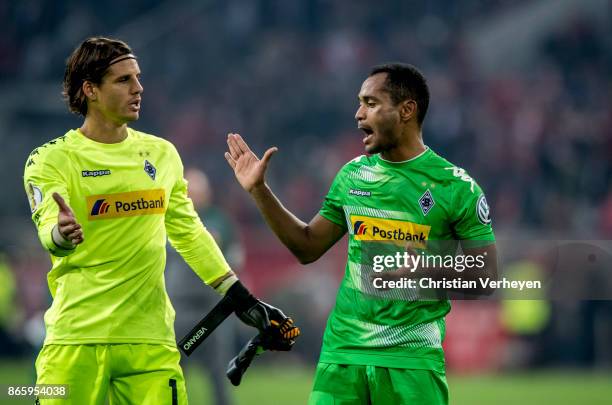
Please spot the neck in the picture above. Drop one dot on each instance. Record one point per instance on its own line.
(102, 130)
(411, 146)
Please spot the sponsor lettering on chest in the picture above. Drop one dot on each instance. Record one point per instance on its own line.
(381, 229)
(130, 204)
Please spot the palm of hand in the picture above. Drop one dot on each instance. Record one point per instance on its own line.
(249, 170)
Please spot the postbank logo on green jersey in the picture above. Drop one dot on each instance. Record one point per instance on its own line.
(133, 203)
(382, 229)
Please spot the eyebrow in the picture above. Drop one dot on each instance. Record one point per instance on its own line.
(367, 97)
(126, 75)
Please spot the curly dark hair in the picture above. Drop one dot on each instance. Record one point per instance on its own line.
(90, 61)
(405, 82)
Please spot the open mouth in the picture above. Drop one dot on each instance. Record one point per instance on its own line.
(368, 133)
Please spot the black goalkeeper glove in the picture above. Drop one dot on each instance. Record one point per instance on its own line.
(271, 339)
(276, 331)
(239, 364)
(270, 321)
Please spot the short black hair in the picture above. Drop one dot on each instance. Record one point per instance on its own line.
(405, 82)
(90, 61)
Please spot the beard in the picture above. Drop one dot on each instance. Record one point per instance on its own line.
(383, 141)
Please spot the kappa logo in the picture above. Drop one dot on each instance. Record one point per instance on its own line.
(100, 207)
(95, 173)
(359, 228)
(360, 193)
(462, 174)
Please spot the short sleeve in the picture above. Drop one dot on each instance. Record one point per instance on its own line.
(332, 205)
(471, 213)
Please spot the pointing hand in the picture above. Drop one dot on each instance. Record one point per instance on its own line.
(67, 225)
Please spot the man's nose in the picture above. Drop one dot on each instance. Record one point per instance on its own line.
(138, 87)
(360, 114)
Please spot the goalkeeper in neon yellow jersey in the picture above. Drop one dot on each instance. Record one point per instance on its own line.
(104, 198)
(383, 347)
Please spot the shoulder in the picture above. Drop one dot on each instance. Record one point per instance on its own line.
(466, 194)
(51, 152)
(357, 164)
(451, 174)
(154, 142)
(361, 160)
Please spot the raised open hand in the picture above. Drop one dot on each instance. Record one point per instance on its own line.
(249, 169)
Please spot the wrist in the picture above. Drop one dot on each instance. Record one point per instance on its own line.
(258, 189)
(241, 298)
(224, 284)
(60, 240)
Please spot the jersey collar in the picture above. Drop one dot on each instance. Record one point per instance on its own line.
(405, 163)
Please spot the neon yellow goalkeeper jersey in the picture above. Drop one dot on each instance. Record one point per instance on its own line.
(127, 197)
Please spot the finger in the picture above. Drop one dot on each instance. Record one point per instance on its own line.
(78, 234)
(61, 203)
(242, 145)
(292, 333)
(233, 148)
(67, 220)
(286, 325)
(266, 157)
(295, 332)
(229, 159)
(410, 249)
(68, 229)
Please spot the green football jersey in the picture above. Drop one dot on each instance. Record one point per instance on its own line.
(383, 205)
(128, 197)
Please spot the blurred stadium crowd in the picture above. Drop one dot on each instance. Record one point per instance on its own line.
(520, 99)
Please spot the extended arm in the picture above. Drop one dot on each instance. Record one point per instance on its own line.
(198, 248)
(46, 187)
(307, 242)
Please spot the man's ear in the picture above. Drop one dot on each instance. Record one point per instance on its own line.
(89, 89)
(408, 110)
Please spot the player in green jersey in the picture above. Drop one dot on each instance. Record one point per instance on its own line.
(105, 198)
(383, 347)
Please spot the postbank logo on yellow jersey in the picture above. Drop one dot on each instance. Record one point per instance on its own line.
(382, 229)
(133, 203)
